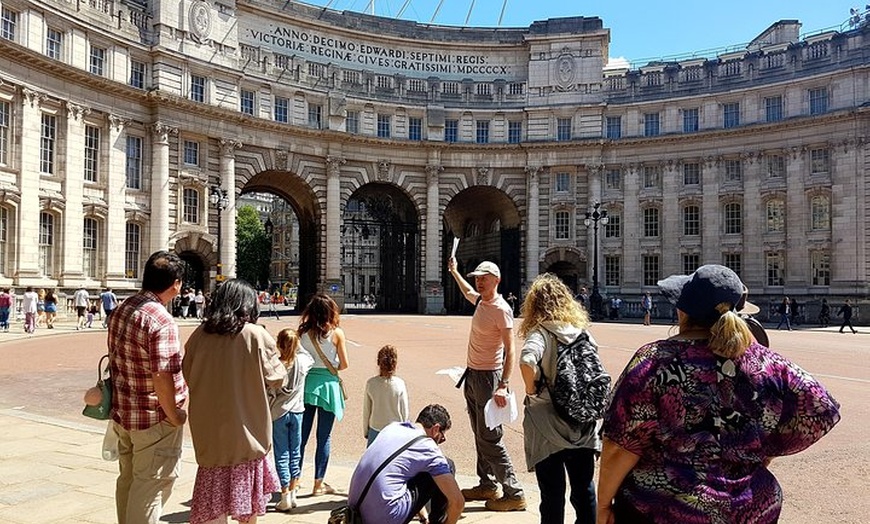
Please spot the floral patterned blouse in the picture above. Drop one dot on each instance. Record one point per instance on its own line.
(703, 426)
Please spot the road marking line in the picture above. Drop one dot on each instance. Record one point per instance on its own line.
(840, 377)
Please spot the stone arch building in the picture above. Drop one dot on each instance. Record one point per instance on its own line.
(118, 117)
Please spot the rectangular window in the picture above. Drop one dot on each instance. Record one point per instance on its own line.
(282, 109)
(820, 161)
(515, 132)
(775, 165)
(691, 221)
(132, 248)
(451, 131)
(4, 238)
(482, 136)
(92, 153)
(818, 101)
(733, 170)
(563, 182)
(90, 234)
(691, 120)
(733, 261)
(47, 143)
(651, 124)
(613, 227)
(613, 180)
(384, 126)
(5, 109)
(190, 199)
(612, 270)
(46, 244)
(191, 153)
(691, 174)
(821, 262)
(733, 218)
(773, 109)
(651, 273)
(54, 44)
(775, 216)
(691, 262)
(137, 74)
(613, 127)
(563, 225)
(315, 116)
(197, 89)
(415, 128)
(820, 213)
(563, 129)
(775, 268)
(651, 222)
(133, 167)
(246, 104)
(8, 23)
(731, 115)
(98, 60)
(352, 122)
(651, 177)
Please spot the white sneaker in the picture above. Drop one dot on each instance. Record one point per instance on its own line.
(293, 499)
(285, 504)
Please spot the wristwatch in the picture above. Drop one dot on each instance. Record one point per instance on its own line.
(503, 383)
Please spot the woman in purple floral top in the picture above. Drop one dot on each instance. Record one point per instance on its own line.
(695, 419)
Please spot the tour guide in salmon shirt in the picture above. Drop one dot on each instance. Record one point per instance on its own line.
(490, 361)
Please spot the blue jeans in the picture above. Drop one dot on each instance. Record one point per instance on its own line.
(580, 465)
(287, 437)
(325, 421)
(4, 317)
(783, 319)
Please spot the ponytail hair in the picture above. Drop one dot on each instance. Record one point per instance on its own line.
(729, 335)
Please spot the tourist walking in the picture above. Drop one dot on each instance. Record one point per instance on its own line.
(386, 397)
(825, 313)
(695, 419)
(50, 308)
(646, 304)
(109, 302)
(28, 307)
(229, 361)
(846, 312)
(784, 311)
(487, 376)
(5, 308)
(148, 391)
(40, 308)
(81, 300)
(554, 446)
(323, 339)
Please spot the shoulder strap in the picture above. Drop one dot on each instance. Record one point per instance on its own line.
(398, 452)
(325, 360)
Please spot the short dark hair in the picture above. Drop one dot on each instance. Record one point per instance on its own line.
(233, 304)
(434, 414)
(161, 271)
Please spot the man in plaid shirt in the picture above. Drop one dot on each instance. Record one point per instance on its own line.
(148, 392)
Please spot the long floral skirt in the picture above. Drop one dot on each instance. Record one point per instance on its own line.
(240, 491)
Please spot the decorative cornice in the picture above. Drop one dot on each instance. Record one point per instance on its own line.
(228, 146)
(75, 111)
(117, 123)
(333, 165)
(34, 98)
(432, 172)
(162, 131)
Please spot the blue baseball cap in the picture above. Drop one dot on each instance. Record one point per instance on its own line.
(700, 293)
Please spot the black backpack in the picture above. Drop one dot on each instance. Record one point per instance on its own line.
(581, 386)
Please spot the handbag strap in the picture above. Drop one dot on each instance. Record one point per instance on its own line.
(101, 371)
(398, 452)
(325, 360)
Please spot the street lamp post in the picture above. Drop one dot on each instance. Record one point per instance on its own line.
(593, 218)
(220, 200)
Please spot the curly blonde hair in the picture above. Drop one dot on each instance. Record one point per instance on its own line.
(549, 299)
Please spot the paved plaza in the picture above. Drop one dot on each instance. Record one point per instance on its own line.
(51, 471)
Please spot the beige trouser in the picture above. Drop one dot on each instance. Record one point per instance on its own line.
(149, 461)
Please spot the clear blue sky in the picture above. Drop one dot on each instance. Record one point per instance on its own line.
(638, 30)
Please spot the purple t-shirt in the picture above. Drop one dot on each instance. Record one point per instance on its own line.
(388, 500)
(703, 426)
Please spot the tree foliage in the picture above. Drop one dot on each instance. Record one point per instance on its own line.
(253, 248)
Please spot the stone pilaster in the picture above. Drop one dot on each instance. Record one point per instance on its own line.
(228, 148)
(333, 217)
(434, 291)
(71, 256)
(711, 212)
(672, 218)
(160, 185)
(533, 230)
(752, 259)
(28, 182)
(796, 219)
(631, 233)
(115, 177)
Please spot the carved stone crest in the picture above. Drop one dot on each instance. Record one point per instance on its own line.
(566, 71)
(482, 176)
(199, 17)
(384, 170)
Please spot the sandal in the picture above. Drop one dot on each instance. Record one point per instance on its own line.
(323, 489)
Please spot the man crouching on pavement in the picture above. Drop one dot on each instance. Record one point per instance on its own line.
(418, 475)
(490, 364)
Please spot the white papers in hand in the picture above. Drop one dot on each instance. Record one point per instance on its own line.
(495, 416)
(455, 247)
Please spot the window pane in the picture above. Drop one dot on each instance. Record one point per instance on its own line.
(54, 44)
(775, 216)
(775, 267)
(691, 174)
(613, 228)
(134, 162)
(651, 124)
(92, 153)
(132, 246)
(612, 270)
(89, 247)
(691, 221)
(563, 129)
(415, 128)
(515, 131)
(614, 127)
(821, 213)
(773, 108)
(352, 122)
(613, 179)
(563, 182)
(4, 133)
(733, 218)
(731, 114)
(282, 110)
(690, 120)
(137, 74)
(818, 101)
(821, 262)
(563, 228)
(651, 222)
(733, 261)
(650, 270)
(384, 126)
(451, 131)
(46, 243)
(197, 88)
(98, 60)
(48, 136)
(482, 136)
(191, 205)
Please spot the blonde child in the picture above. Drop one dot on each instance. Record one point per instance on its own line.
(287, 407)
(386, 397)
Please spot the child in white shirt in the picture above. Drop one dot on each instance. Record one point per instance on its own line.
(386, 397)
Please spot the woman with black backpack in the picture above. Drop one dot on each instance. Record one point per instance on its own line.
(555, 442)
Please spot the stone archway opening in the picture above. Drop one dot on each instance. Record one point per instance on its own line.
(292, 221)
(569, 265)
(487, 222)
(380, 250)
(195, 276)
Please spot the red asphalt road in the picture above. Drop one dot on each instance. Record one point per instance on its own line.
(828, 483)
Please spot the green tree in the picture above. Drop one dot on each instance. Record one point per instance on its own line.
(253, 254)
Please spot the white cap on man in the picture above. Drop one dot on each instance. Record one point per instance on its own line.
(486, 268)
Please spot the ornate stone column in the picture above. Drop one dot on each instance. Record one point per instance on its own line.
(631, 233)
(116, 222)
(752, 256)
(711, 211)
(160, 185)
(848, 253)
(228, 148)
(28, 182)
(533, 230)
(672, 218)
(796, 225)
(71, 255)
(333, 218)
(434, 290)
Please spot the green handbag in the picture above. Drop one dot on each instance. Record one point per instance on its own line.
(102, 410)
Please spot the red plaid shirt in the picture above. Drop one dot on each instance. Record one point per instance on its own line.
(143, 339)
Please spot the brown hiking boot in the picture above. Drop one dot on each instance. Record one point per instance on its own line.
(507, 503)
(480, 493)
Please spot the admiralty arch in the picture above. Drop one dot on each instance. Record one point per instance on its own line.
(118, 119)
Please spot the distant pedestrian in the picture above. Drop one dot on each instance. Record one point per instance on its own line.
(583, 298)
(386, 397)
(615, 307)
(512, 302)
(199, 301)
(824, 313)
(50, 308)
(846, 313)
(794, 312)
(784, 311)
(646, 303)
(92, 313)
(109, 302)
(81, 300)
(40, 308)
(5, 308)
(28, 306)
